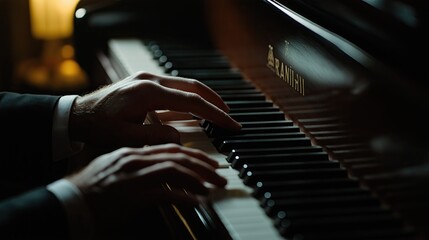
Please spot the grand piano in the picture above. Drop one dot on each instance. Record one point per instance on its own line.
(332, 96)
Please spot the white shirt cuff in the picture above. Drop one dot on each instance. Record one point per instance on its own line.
(80, 219)
(61, 145)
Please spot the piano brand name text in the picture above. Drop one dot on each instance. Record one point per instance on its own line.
(285, 72)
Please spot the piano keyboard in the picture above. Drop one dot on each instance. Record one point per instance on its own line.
(280, 185)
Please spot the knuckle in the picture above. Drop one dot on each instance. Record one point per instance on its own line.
(173, 147)
(170, 165)
(124, 151)
(143, 75)
(199, 86)
(194, 82)
(146, 85)
(194, 97)
(182, 157)
(129, 162)
(126, 159)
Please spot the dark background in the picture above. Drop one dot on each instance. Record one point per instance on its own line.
(16, 41)
(17, 45)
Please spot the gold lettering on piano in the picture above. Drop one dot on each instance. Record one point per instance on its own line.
(284, 71)
(286, 47)
(270, 57)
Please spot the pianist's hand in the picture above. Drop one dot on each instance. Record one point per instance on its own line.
(113, 115)
(119, 184)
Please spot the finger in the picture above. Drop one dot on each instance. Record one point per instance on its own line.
(192, 85)
(205, 171)
(172, 174)
(106, 161)
(175, 148)
(188, 85)
(178, 100)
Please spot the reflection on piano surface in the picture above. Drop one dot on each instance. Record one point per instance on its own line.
(331, 96)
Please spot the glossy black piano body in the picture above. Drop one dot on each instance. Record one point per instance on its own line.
(351, 74)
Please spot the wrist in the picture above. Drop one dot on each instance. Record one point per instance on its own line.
(80, 219)
(78, 123)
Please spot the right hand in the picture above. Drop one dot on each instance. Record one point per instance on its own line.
(119, 184)
(113, 116)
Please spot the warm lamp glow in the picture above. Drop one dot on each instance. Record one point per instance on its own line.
(56, 69)
(52, 19)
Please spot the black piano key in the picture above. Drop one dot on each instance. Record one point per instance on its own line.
(325, 127)
(261, 188)
(328, 224)
(248, 104)
(218, 132)
(239, 161)
(193, 63)
(243, 91)
(386, 233)
(273, 206)
(238, 86)
(226, 83)
(252, 177)
(208, 74)
(264, 151)
(329, 133)
(285, 165)
(252, 124)
(214, 130)
(329, 211)
(345, 139)
(260, 135)
(253, 109)
(258, 116)
(252, 117)
(187, 60)
(270, 123)
(228, 145)
(189, 53)
(156, 53)
(323, 120)
(181, 50)
(209, 128)
(219, 140)
(308, 193)
(243, 97)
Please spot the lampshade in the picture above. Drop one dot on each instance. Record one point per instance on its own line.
(52, 19)
(55, 69)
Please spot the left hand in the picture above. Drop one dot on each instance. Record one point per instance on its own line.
(132, 179)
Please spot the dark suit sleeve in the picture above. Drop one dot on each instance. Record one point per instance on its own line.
(27, 209)
(36, 214)
(26, 151)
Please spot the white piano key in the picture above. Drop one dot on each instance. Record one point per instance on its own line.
(193, 136)
(239, 212)
(133, 56)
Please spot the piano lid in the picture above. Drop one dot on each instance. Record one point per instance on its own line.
(322, 49)
(394, 31)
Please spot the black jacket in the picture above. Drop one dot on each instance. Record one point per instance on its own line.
(27, 209)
